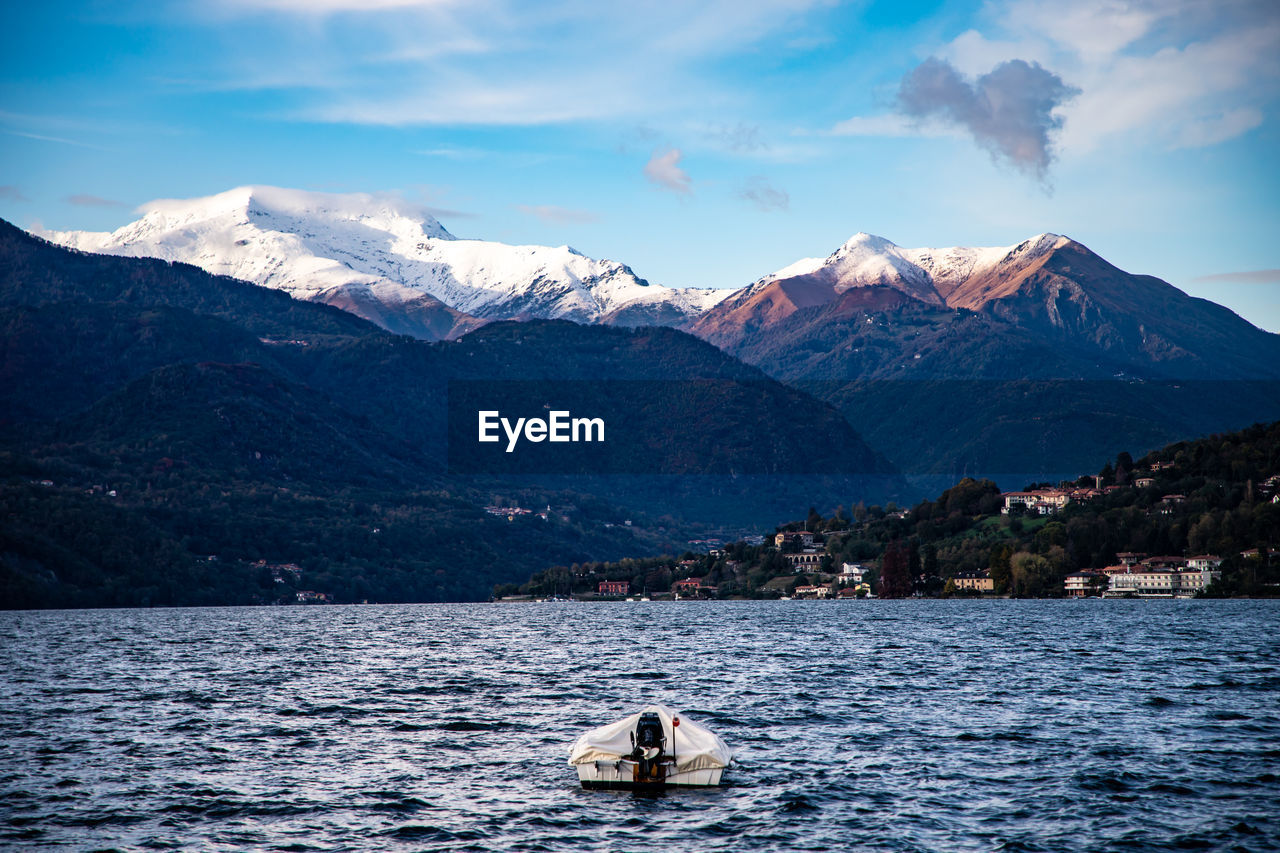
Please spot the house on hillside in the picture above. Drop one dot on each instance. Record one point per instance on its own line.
(803, 538)
(1046, 501)
(852, 573)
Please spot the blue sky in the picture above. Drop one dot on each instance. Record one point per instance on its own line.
(703, 143)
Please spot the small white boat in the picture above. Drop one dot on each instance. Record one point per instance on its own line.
(651, 749)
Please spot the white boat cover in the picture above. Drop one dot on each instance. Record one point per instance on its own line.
(696, 748)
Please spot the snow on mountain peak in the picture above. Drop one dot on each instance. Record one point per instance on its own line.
(870, 242)
(927, 274)
(381, 252)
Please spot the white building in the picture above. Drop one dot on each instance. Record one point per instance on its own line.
(1160, 583)
(851, 573)
(1083, 584)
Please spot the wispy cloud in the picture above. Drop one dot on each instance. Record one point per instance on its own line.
(889, 124)
(449, 153)
(1010, 111)
(86, 200)
(1169, 74)
(741, 137)
(320, 8)
(1246, 277)
(664, 170)
(558, 215)
(9, 192)
(496, 62)
(435, 201)
(759, 192)
(61, 140)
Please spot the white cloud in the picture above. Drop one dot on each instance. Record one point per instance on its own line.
(496, 62)
(558, 215)
(1168, 73)
(664, 170)
(1212, 130)
(889, 124)
(1174, 73)
(1093, 29)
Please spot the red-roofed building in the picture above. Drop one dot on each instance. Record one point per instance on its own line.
(615, 587)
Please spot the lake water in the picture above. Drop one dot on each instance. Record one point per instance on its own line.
(897, 726)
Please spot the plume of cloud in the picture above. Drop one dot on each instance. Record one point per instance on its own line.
(86, 200)
(764, 196)
(741, 137)
(9, 192)
(1009, 110)
(558, 215)
(1246, 277)
(664, 170)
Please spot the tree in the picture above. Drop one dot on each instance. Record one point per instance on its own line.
(1124, 465)
(1031, 574)
(1000, 568)
(895, 574)
(814, 520)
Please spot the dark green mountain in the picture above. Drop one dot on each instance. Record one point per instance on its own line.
(235, 425)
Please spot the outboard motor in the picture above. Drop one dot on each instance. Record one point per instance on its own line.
(648, 743)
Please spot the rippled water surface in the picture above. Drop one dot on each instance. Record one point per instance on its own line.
(917, 725)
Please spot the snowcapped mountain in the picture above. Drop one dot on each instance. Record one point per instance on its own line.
(933, 276)
(1047, 306)
(389, 261)
(872, 273)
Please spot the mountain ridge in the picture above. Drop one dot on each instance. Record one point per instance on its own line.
(387, 260)
(1049, 285)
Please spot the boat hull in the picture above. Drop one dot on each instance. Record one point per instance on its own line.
(621, 775)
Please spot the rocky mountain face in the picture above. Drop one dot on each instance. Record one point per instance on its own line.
(1027, 358)
(388, 261)
(1047, 292)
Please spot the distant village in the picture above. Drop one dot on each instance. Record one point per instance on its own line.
(803, 564)
(797, 564)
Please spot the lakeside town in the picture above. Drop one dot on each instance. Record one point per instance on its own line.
(1171, 526)
(1199, 519)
